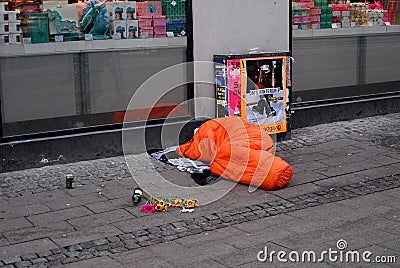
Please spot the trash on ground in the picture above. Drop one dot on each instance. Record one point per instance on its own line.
(187, 210)
(137, 196)
(69, 180)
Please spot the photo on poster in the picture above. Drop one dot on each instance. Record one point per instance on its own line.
(264, 96)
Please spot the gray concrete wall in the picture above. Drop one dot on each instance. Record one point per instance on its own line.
(234, 27)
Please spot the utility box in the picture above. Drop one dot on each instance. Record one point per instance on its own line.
(255, 87)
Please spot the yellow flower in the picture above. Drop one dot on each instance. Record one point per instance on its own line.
(189, 203)
(177, 203)
(158, 206)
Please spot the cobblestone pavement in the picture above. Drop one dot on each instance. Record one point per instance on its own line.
(345, 186)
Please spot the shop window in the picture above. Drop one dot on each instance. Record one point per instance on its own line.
(75, 64)
(325, 14)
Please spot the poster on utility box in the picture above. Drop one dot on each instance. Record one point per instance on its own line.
(254, 87)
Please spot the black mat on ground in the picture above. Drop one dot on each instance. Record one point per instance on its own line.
(200, 171)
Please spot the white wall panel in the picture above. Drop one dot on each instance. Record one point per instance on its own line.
(234, 27)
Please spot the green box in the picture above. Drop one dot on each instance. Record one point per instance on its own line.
(326, 10)
(174, 12)
(36, 26)
(328, 18)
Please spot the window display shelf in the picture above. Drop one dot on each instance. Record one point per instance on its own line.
(90, 46)
(346, 31)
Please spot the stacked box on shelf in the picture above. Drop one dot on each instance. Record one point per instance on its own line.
(326, 17)
(392, 12)
(301, 17)
(145, 21)
(123, 20)
(116, 10)
(152, 26)
(346, 23)
(149, 8)
(160, 26)
(10, 26)
(296, 16)
(151, 21)
(358, 14)
(116, 15)
(174, 9)
(145, 11)
(132, 24)
(132, 29)
(321, 3)
(345, 14)
(145, 26)
(375, 17)
(130, 10)
(118, 29)
(36, 27)
(178, 27)
(340, 16)
(315, 17)
(146, 32)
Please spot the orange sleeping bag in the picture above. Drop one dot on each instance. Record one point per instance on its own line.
(238, 151)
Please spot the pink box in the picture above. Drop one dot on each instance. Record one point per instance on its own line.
(314, 11)
(315, 25)
(305, 19)
(146, 32)
(149, 8)
(159, 23)
(315, 18)
(160, 30)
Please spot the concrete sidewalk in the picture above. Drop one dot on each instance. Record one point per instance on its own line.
(344, 196)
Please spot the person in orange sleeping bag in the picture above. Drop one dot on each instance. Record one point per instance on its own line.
(238, 151)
